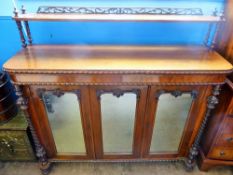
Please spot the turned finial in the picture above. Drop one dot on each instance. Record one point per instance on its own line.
(215, 12)
(23, 10)
(16, 12)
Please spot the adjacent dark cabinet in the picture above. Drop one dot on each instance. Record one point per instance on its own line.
(217, 144)
(15, 142)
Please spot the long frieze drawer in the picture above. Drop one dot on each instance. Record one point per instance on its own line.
(15, 145)
(221, 153)
(225, 140)
(114, 79)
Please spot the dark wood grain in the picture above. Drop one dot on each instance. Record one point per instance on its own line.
(117, 59)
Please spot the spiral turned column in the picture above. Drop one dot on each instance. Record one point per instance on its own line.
(212, 101)
(20, 28)
(40, 151)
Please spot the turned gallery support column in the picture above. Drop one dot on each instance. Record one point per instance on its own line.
(212, 101)
(20, 28)
(40, 151)
(23, 10)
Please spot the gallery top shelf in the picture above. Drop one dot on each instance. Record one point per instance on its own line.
(49, 13)
(115, 17)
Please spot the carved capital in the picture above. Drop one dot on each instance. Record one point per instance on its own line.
(23, 103)
(212, 101)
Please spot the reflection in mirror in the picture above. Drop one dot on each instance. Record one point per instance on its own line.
(64, 116)
(170, 118)
(118, 115)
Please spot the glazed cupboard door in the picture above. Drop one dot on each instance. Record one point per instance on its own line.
(66, 133)
(117, 116)
(170, 117)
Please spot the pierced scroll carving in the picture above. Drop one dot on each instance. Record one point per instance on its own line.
(118, 10)
(117, 92)
(40, 151)
(212, 101)
(177, 93)
(57, 92)
(47, 98)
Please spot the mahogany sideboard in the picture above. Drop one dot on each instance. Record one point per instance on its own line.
(104, 102)
(116, 103)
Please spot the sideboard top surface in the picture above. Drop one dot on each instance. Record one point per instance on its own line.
(116, 58)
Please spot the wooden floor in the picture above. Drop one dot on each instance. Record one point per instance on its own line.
(153, 168)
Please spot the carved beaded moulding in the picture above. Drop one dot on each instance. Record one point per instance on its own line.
(119, 10)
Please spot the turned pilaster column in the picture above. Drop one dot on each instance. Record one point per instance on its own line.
(212, 101)
(40, 151)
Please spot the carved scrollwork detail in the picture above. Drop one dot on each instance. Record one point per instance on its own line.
(117, 92)
(58, 93)
(119, 10)
(177, 93)
(47, 96)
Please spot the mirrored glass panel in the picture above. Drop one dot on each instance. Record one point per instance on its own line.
(64, 116)
(170, 118)
(118, 115)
